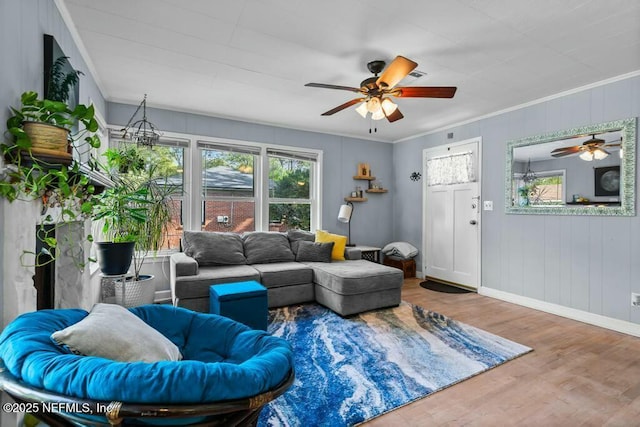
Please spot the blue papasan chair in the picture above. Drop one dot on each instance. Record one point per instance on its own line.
(226, 374)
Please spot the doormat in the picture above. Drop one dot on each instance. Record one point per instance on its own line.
(442, 287)
(349, 370)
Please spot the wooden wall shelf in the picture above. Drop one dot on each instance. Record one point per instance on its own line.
(355, 199)
(365, 177)
(376, 190)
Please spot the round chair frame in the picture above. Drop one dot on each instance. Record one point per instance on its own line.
(238, 412)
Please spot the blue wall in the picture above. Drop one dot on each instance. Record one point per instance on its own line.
(583, 262)
(372, 220)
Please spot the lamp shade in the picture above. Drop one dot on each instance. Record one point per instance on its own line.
(586, 156)
(344, 215)
(599, 154)
(362, 110)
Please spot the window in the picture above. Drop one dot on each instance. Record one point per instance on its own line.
(228, 181)
(233, 186)
(165, 166)
(290, 189)
(546, 189)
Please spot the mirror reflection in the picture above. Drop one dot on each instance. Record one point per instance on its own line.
(588, 170)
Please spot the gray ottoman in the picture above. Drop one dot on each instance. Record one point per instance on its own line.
(351, 287)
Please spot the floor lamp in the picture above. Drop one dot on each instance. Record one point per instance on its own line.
(344, 215)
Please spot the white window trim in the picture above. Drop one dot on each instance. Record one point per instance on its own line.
(548, 173)
(193, 187)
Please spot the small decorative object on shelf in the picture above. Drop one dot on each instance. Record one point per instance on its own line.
(364, 169)
(415, 176)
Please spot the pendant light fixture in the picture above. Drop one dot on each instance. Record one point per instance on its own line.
(142, 132)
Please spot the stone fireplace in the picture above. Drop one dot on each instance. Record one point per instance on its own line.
(73, 286)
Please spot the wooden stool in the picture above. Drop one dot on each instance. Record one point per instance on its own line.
(408, 266)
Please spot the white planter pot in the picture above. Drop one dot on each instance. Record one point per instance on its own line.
(132, 293)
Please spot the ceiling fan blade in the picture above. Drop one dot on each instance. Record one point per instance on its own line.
(569, 150)
(567, 153)
(326, 86)
(395, 72)
(395, 116)
(425, 92)
(343, 106)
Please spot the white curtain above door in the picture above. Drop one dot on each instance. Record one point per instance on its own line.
(451, 169)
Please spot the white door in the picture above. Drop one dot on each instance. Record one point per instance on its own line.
(451, 212)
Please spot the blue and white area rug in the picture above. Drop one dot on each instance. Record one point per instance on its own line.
(351, 370)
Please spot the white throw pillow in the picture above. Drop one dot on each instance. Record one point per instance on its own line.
(113, 332)
(402, 250)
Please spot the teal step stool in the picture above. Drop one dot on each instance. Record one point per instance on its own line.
(244, 302)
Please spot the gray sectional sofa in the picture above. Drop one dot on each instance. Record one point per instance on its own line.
(292, 267)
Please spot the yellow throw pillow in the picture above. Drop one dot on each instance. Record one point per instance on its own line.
(339, 243)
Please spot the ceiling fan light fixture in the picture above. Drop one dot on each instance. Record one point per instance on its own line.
(373, 104)
(599, 154)
(388, 106)
(378, 115)
(587, 156)
(362, 110)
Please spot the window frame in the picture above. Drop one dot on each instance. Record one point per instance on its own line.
(544, 174)
(167, 140)
(231, 148)
(192, 183)
(312, 156)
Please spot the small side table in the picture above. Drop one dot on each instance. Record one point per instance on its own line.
(370, 253)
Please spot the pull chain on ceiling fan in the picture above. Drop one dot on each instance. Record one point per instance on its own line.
(378, 90)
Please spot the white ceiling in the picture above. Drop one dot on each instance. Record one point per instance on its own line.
(250, 59)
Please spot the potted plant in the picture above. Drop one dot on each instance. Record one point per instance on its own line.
(42, 128)
(135, 213)
(122, 211)
(34, 172)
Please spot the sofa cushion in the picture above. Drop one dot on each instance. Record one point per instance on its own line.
(356, 277)
(262, 247)
(198, 286)
(212, 248)
(314, 251)
(340, 242)
(297, 236)
(113, 332)
(284, 274)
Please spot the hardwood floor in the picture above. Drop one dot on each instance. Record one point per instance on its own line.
(577, 375)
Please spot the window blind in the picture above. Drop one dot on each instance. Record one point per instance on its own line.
(233, 148)
(296, 155)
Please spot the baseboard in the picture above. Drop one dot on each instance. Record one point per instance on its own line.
(560, 310)
(162, 296)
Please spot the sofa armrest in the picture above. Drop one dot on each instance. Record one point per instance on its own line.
(352, 253)
(183, 264)
(180, 264)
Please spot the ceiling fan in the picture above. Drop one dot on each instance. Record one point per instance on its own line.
(593, 148)
(376, 91)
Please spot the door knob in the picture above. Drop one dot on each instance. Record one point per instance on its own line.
(473, 222)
